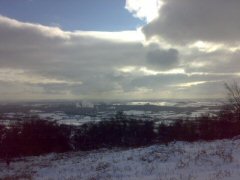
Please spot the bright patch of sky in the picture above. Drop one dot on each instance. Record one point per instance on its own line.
(145, 10)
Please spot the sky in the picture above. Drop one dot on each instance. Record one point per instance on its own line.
(109, 50)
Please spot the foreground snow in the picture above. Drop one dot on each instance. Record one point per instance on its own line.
(185, 161)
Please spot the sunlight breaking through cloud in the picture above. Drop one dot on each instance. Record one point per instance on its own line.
(144, 9)
(189, 84)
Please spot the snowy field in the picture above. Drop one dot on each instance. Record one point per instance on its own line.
(184, 161)
(166, 111)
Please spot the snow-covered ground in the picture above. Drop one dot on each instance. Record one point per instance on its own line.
(184, 161)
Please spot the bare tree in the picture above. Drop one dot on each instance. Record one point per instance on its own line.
(233, 92)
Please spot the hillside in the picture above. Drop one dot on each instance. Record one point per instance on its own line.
(180, 160)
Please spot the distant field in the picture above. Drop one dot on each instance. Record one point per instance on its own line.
(77, 113)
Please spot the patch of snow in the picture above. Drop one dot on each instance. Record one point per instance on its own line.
(181, 161)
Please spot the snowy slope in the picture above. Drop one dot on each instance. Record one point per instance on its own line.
(185, 161)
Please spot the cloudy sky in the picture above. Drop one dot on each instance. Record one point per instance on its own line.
(133, 49)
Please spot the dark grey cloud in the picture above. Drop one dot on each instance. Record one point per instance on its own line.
(186, 21)
(163, 59)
